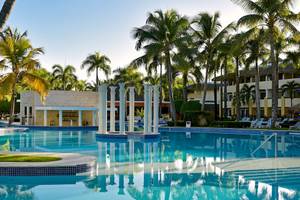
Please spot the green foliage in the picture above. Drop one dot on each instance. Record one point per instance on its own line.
(4, 106)
(27, 158)
(178, 105)
(231, 124)
(190, 107)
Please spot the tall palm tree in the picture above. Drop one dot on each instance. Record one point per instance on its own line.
(162, 33)
(5, 12)
(272, 15)
(97, 62)
(65, 76)
(290, 88)
(208, 33)
(247, 94)
(255, 51)
(19, 59)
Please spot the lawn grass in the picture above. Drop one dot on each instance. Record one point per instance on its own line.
(27, 158)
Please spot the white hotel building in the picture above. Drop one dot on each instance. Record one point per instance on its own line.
(286, 75)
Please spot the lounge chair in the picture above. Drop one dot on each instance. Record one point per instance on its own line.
(296, 126)
(253, 123)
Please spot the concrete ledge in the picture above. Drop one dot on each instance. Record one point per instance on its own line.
(69, 165)
(128, 135)
(12, 129)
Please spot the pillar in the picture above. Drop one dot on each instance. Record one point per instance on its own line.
(60, 118)
(122, 106)
(27, 116)
(156, 109)
(131, 109)
(94, 118)
(79, 118)
(45, 117)
(150, 109)
(112, 108)
(103, 108)
(146, 108)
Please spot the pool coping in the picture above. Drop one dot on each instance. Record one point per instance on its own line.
(71, 164)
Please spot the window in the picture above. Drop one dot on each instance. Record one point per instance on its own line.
(229, 96)
(248, 79)
(25, 110)
(262, 78)
(30, 110)
(262, 94)
(280, 76)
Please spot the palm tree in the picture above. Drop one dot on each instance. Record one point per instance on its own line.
(97, 62)
(81, 85)
(130, 76)
(255, 51)
(162, 33)
(208, 33)
(271, 15)
(65, 76)
(5, 12)
(247, 94)
(19, 59)
(290, 88)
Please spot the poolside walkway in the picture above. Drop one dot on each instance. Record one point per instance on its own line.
(70, 164)
(12, 129)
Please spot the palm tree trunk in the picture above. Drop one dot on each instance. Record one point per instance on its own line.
(185, 80)
(5, 11)
(12, 106)
(225, 89)
(204, 89)
(215, 96)
(257, 91)
(160, 90)
(97, 79)
(237, 89)
(274, 77)
(221, 95)
(170, 84)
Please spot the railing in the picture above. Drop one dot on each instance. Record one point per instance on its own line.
(264, 142)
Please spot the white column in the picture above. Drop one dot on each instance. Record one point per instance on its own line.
(60, 120)
(156, 109)
(27, 116)
(122, 105)
(146, 108)
(94, 118)
(79, 118)
(112, 108)
(103, 108)
(150, 101)
(131, 109)
(45, 117)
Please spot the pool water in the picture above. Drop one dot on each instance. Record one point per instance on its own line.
(176, 166)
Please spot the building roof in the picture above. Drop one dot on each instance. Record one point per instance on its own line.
(263, 71)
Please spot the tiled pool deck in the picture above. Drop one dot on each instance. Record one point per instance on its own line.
(70, 164)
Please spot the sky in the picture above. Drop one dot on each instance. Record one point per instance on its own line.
(69, 30)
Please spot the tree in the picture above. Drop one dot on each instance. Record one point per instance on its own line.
(97, 62)
(5, 12)
(130, 76)
(65, 76)
(272, 15)
(208, 33)
(163, 32)
(256, 51)
(19, 59)
(290, 88)
(247, 94)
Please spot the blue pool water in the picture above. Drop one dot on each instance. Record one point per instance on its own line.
(177, 166)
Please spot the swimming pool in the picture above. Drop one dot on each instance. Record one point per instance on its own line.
(177, 166)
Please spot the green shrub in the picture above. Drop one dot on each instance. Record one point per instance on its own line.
(4, 106)
(231, 124)
(178, 105)
(190, 106)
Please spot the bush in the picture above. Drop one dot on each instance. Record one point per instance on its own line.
(190, 106)
(4, 106)
(231, 124)
(178, 105)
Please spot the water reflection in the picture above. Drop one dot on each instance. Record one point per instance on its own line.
(178, 166)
